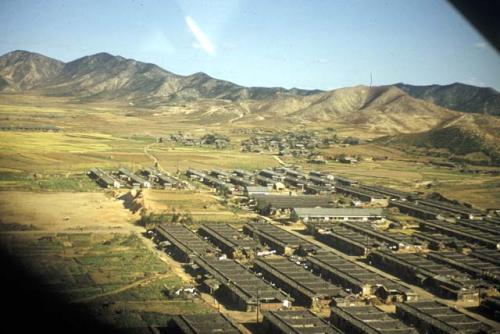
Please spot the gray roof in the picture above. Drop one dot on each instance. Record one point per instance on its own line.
(257, 189)
(338, 212)
(289, 202)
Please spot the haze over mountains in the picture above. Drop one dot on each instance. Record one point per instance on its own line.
(424, 112)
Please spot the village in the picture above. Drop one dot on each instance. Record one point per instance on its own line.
(330, 253)
(250, 167)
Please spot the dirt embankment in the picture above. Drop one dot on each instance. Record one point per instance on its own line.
(133, 200)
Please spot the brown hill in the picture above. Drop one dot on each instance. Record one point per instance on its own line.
(379, 110)
(23, 70)
(104, 77)
(458, 96)
(471, 136)
(371, 111)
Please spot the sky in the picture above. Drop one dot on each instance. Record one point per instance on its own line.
(311, 44)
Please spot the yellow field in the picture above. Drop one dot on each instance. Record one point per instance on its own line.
(53, 142)
(203, 158)
(202, 206)
(111, 136)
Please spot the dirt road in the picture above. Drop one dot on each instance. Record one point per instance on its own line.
(281, 162)
(156, 162)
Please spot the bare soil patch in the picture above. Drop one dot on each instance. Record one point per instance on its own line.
(56, 211)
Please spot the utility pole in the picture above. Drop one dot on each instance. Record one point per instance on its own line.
(371, 80)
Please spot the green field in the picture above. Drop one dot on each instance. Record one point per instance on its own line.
(84, 266)
(30, 182)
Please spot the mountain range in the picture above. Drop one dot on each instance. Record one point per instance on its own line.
(458, 96)
(409, 114)
(106, 77)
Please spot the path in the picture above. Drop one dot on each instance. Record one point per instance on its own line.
(156, 162)
(158, 166)
(281, 162)
(173, 265)
(123, 288)
(240, 116)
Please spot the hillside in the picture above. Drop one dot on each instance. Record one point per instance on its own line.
(474, 137)
(458, 96)
(369, 112)
(104, 77)
(22, 70)
(377, 110)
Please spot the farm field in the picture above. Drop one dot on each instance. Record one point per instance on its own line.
(119, 135)
(115, 276)
(86, 242)
(203, 158)
(249, 168)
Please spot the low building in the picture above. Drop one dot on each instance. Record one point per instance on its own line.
(103, 179)
(232, 242)
(272, 174)
(336, 214)
(306, 288)
(183, 243)
(441, 279)
(296, 321)
(134, 180)
(283, 242)
(357, 279)
(165, 181)
(367, 320)
(390, 192)
(462, 211)
(435, 317)
(195, 174)
(490, 307)
(283, 204)
(240, 181)
(417, 210)
(202, 323)
(238, 287)
(363, 195)
(256, 190)
(344, 181)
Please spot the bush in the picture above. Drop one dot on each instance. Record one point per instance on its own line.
(151, 219)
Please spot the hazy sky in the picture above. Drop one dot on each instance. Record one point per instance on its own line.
(306, 44)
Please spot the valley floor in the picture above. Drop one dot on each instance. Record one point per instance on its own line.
(86, 243)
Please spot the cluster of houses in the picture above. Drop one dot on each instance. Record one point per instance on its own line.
(218, 141)
(289, 143)
(287, 193)
(123, 178)
(314, 195)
